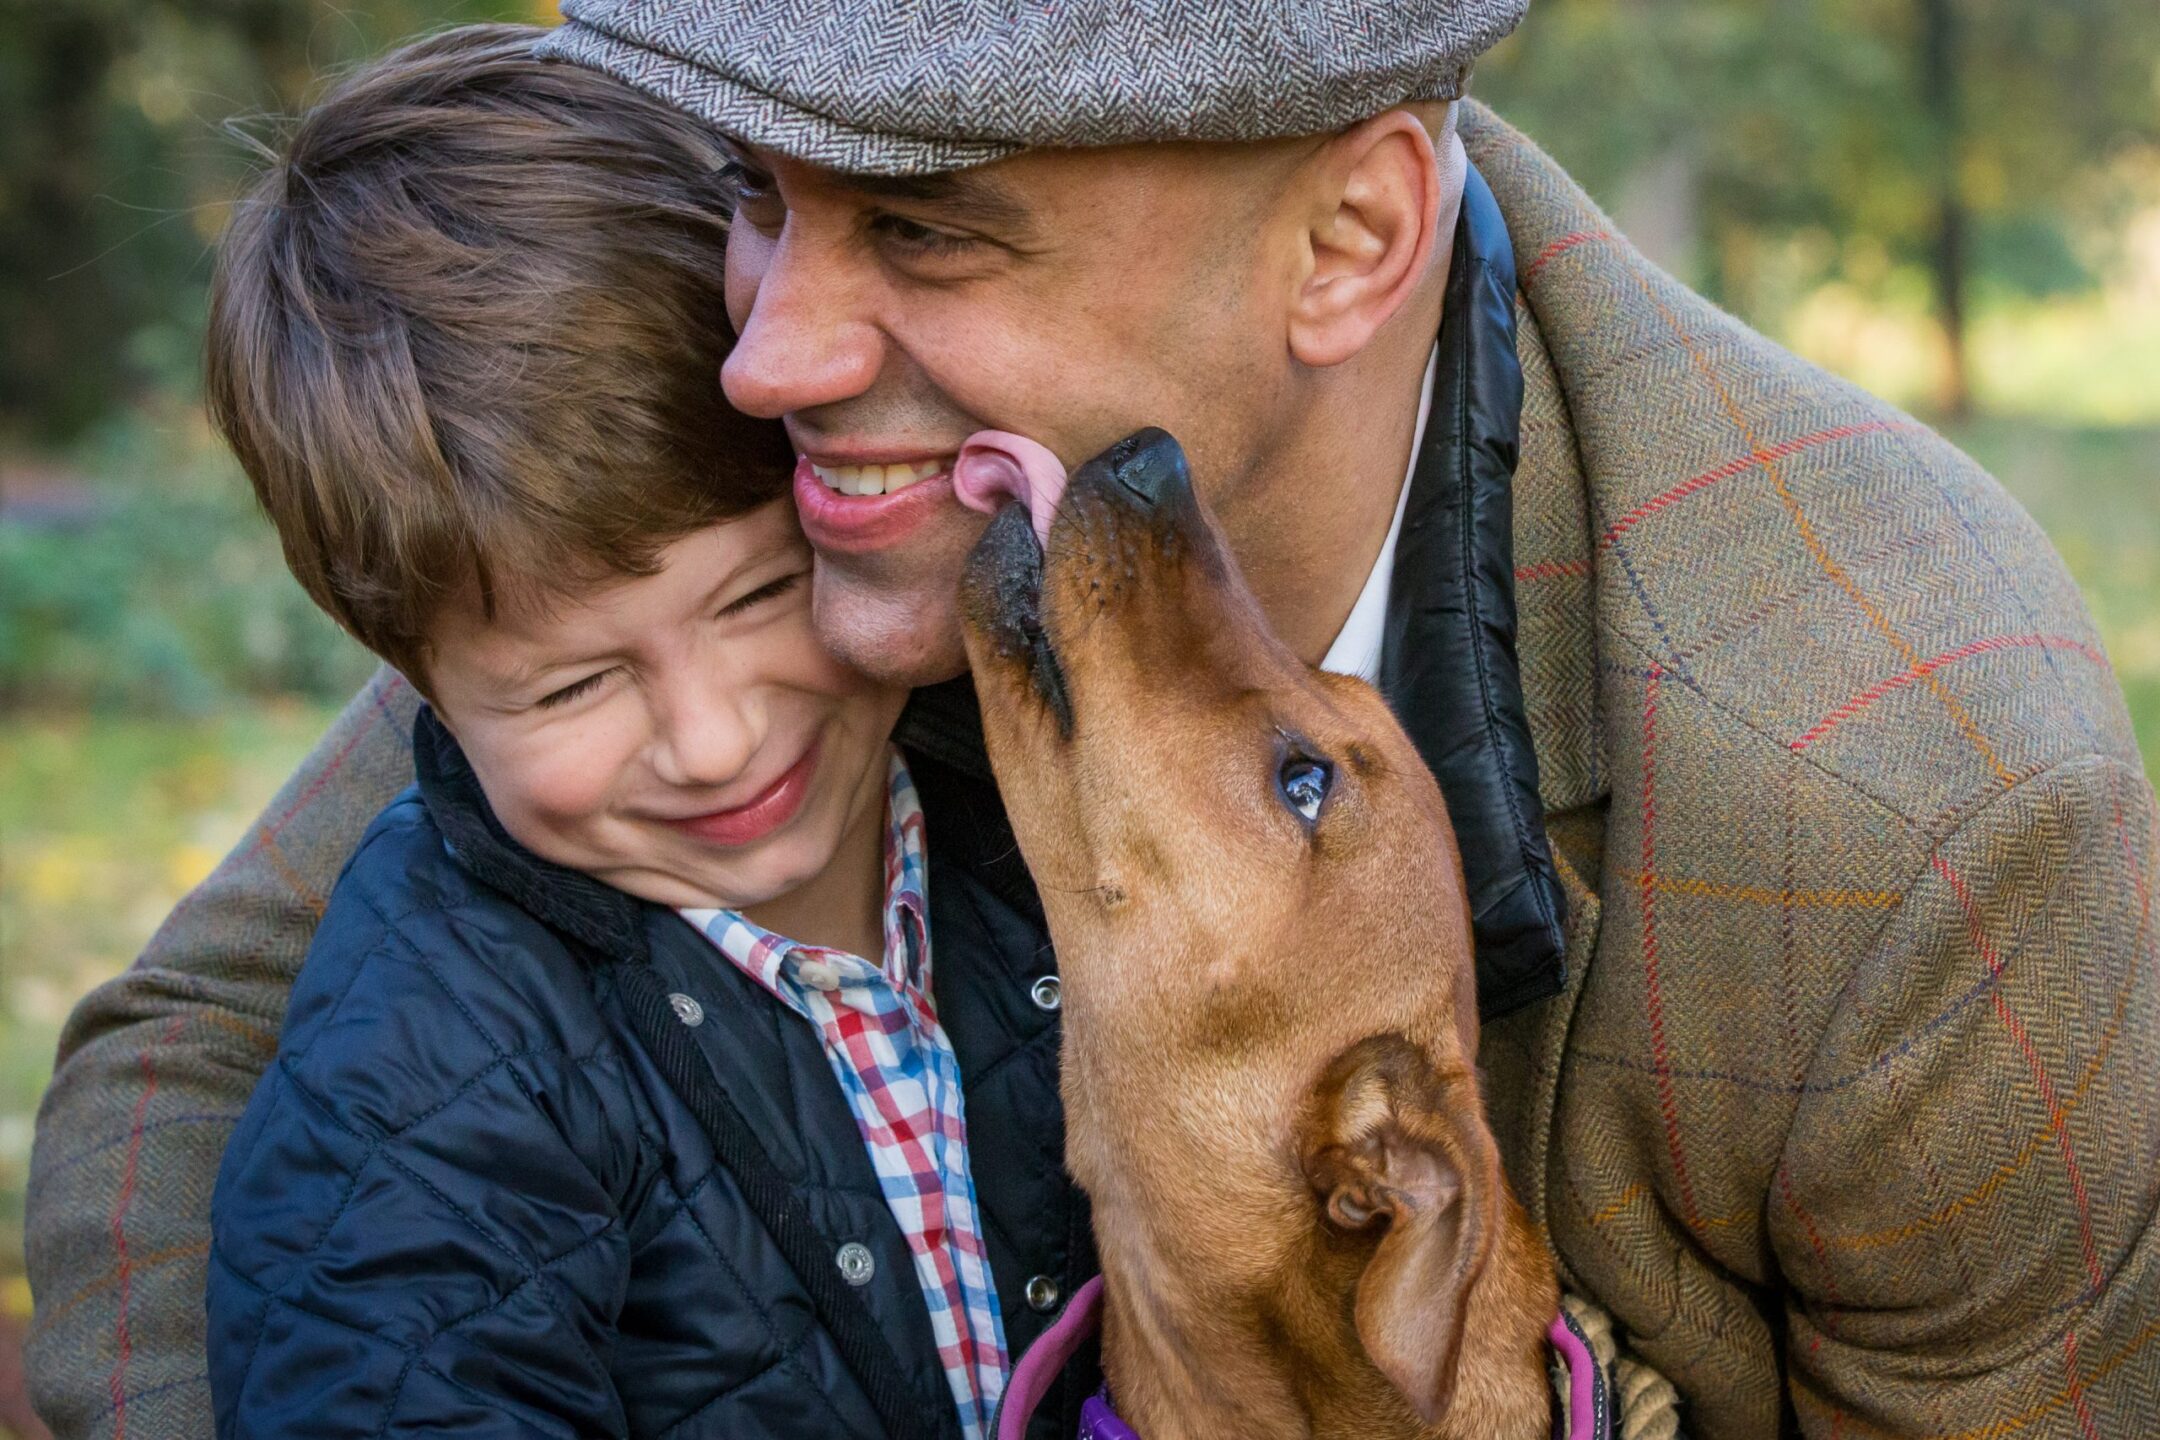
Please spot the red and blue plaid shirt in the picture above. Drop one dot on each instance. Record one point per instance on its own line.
(882, 1037)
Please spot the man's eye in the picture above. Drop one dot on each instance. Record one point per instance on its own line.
(912, 237)
(573, 690)
(757, 200)
(771, 590)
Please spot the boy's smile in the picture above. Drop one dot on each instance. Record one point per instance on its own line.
(679, 735)
(760, 815)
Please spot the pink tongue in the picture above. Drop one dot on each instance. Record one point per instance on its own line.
(994, 466)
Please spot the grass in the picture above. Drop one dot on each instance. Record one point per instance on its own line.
(105, 822)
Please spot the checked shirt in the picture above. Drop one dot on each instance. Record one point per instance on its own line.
(881, 1034)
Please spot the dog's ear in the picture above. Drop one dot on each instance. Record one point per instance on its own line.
(1388, 1140)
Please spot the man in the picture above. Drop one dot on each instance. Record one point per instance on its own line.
(1845, 1106)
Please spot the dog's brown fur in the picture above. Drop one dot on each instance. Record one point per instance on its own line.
(1270, 1027)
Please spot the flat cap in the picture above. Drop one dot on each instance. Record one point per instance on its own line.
(908, 87)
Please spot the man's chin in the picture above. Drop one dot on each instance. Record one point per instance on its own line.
(898, 638)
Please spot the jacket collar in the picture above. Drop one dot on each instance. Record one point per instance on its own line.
(596, 914)
(1448, 662)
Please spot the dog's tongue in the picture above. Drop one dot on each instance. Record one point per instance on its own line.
(994, 467)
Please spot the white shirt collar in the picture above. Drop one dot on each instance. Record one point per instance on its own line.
(1356, 650)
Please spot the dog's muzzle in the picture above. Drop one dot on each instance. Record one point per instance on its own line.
(1003, 598)
(1141, 480)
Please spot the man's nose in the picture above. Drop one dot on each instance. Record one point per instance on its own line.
(805, 343)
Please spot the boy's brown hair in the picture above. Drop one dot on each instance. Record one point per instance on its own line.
(466, 333)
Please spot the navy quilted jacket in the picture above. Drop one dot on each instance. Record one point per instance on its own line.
(493, 1185)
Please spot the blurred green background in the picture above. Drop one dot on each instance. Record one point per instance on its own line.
(1954, 202)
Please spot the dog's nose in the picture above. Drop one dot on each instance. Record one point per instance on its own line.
(1149, 464)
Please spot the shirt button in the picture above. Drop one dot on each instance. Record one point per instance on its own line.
(819, 974)
(857, 1264)
(1047, 993)
(686, 1009)
(1043, 1294)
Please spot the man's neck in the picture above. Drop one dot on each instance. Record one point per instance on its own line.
(1311, 522)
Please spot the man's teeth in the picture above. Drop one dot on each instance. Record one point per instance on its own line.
(877, 479)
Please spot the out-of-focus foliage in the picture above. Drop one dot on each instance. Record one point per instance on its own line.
(135, 576)
(115, 174)
(1764, 147)
(161, 590)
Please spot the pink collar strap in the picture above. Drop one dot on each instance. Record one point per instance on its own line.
(1583, 1389)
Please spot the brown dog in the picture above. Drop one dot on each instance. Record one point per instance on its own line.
(1270, 1023)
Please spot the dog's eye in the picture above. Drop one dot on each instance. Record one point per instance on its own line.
(1304, 784)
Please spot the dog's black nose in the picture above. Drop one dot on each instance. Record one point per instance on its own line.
(1150, 464)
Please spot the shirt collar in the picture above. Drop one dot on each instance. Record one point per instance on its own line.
(907, 880)
(1356, 650)
(906, 961)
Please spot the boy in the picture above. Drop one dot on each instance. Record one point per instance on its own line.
(537, 1156)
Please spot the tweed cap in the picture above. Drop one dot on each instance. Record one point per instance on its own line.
(908, 87)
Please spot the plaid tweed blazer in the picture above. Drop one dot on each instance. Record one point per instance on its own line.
(1850, 1111)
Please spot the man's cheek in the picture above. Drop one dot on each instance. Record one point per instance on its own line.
(749, 251)
(993, 361)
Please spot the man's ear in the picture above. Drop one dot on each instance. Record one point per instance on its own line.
(1389, 1141)
(1373, 222)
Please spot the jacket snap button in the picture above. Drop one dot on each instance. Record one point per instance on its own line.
(857, 1264)
(686, 1009)
(1047, 993)
(1043, 1294)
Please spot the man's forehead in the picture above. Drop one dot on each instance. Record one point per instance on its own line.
(1032, 184)
(997, 193)
(980, 193)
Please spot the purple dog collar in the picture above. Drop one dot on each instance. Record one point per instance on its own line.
(1586, 1411)
(1045, 1360)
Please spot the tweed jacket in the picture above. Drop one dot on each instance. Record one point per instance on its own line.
(1849, 1112)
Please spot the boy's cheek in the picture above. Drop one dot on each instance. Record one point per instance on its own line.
(554, 777)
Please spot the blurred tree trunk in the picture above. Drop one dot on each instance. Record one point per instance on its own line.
(64, 54)
(1940, 94)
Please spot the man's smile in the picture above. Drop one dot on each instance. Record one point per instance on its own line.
(878, 479)
(854, 509)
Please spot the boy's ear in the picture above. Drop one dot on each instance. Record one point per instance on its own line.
(1390, 1143)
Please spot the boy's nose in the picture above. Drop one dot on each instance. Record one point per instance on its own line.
(802, 345)
(705, 738)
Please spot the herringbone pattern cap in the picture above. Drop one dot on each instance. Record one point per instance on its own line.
(908, 87)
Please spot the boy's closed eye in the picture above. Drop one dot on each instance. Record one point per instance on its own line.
(770, 590)
(575, 689)
(739, 606)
